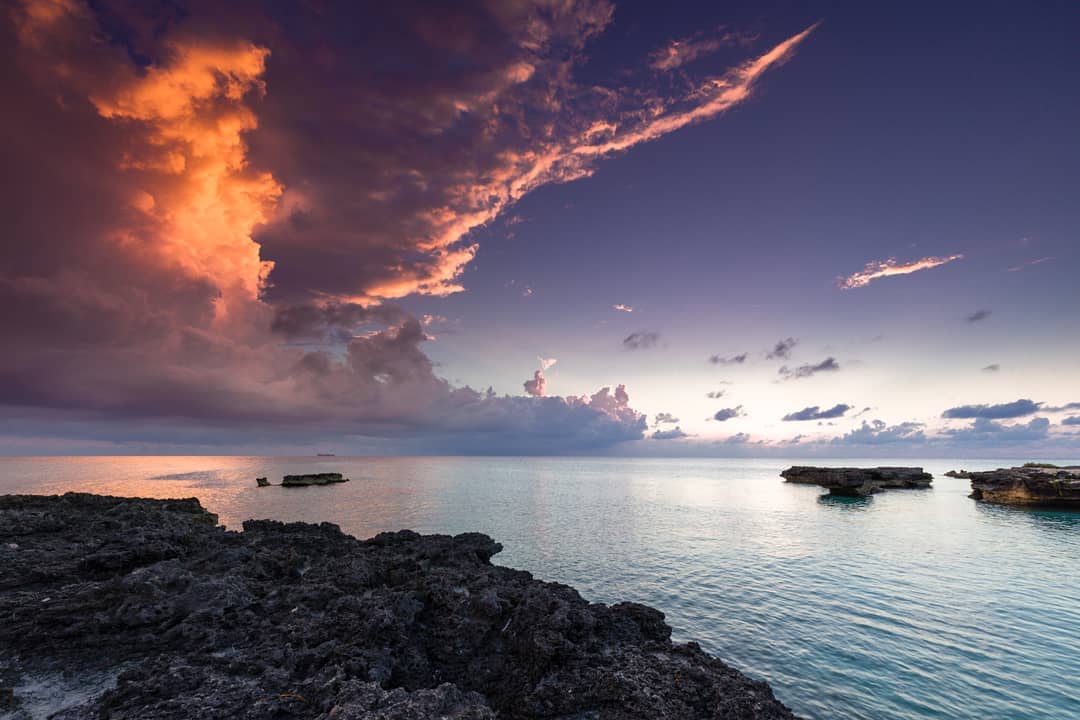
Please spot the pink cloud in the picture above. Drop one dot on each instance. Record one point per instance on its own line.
(890, 267)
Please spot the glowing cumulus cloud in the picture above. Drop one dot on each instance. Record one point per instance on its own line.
(886, 268)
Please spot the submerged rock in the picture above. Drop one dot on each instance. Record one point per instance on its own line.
(964, 474)
(146, 609)
(327, 478)
(1037, 485)
(858, 481)
(262, 482)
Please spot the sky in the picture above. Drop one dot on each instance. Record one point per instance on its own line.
(550, 227)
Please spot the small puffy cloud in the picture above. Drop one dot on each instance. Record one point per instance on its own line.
(623, 308)
(782, 349)
(736, 439)
(1018, 408)
(641, 340)
(731, 360)
(715, 394)
(724, 414)
(1071, 420)
(829, 364)
(816, 413)
(675, 433)
(665, 418)
(977, 316)
(993, 368)
(1063, 408)
(877, 432)
(546, 363)
(886, 268)
(537, 385)
(988, 433)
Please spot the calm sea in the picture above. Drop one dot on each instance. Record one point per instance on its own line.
(910, 604)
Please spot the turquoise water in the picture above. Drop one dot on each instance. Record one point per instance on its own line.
(910, 604)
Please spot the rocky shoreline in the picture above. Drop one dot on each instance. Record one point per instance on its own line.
(135, 608)
(1033, 485)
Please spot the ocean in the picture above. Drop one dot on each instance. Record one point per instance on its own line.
(909, 604)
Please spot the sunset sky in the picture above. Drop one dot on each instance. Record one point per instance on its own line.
(730, 229)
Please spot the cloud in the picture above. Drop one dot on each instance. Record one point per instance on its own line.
(736, 439)
(677, 53)
(829, 364)
(977, 316)
(782, 349)
(239, 186)
(1063, 408)
(890, 267)
(641, 340)
(988, 433)
(537, 385)
(715, 394)
(732, 360)
(877, 432)
(1030, 263)
(675, 433)
(816, 413)
(623, 308)
(665, 418)
(546, 363)
(1017, 408)
(1071, 420)
(724, 414)
(993, 368)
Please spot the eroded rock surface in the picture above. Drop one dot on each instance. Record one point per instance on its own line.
(145, 609)
(858, 481)
(1035, 486)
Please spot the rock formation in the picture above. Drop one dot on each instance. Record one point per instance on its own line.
(858, 481)
(964, 474)
(130, 608)
(312, 479)
(1029, 485)
(262, 482)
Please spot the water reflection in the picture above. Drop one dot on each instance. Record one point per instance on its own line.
(848, 503)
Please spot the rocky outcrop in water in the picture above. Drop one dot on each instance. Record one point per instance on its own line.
(130, 608)
(327, 478)
(1029, 485)
(963, 474)
(858, 481)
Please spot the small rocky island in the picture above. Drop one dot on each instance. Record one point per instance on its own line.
(858, 482)
(134, 608)
(326, 478)
(1039, 485)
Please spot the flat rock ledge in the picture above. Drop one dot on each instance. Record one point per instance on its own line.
(1032, 486)
(858, 481)
(131, 608)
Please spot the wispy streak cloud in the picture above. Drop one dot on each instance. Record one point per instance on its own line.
(887, 268)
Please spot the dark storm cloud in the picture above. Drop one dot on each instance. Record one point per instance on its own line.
(816, 413)
(732, 360)
(1017, 408)
(977, 316)
(829, 364)
(782, 349)
(641, 340)
(193, 191)
(725, 414)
